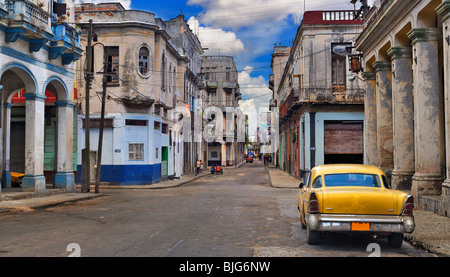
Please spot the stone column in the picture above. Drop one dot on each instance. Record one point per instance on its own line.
(224, 154)
(34, 179)
(403, 117)
(428, 112)
(6, 175)
(384, 115)
(64, 177)
(370, 119)
(444, 11)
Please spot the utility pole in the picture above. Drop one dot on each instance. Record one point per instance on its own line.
(102, 120)
(86, 162)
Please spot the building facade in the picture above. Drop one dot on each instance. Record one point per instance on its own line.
(227, 142)
(321, 112)
(38, 48)
(405, 65)
(191, 89)
(145, 79)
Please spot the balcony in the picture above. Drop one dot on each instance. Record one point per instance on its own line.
(299, 96)
(22, 18)
(229, 84)
(212, 84)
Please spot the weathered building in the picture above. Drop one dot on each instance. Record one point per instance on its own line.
(321, 112)
(222, 87)
(406, 53)
(145, 72)
(38, 47)
(190, 90)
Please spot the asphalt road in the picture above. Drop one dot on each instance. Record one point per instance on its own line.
(236, 214)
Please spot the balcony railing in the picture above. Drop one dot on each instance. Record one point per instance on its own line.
(28, 20)
(29, 12)
(299, 96)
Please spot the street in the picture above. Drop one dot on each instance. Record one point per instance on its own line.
(237, 214)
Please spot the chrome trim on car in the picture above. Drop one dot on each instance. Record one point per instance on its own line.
(378, 223)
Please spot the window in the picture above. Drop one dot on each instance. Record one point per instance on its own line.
(165, 128)
(352, 180)
(135, 122)
(338, 56)
(113, 64)
(214, 154)
(157, 125)
(317, 183)
(136, 151)
(144, 60)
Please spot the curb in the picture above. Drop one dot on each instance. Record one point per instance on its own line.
(33, 204)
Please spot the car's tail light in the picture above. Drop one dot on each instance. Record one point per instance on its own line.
(313, 204)
(409, 206)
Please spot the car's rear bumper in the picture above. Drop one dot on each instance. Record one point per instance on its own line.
(377, 223)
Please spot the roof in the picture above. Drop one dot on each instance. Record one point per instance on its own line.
(347, 168)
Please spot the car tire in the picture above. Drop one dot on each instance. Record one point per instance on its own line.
(395, 240)
(312, 237)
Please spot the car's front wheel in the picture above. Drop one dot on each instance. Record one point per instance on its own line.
(395, 240)
(312, 237)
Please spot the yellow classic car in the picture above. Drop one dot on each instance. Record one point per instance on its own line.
(353, 198)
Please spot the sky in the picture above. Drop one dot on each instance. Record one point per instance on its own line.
(244, 29)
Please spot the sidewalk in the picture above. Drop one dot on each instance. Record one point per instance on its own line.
(15, 200)
(432, 232)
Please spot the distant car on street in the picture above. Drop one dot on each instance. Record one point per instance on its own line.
(353, 198)
(249, 158)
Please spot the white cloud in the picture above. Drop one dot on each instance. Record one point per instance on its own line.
(255, 95)
(241, 13)
(217, 40)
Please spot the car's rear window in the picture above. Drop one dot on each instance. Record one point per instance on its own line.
(352, 180)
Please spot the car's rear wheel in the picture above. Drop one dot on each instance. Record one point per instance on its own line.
(395, 240)
(312, 237)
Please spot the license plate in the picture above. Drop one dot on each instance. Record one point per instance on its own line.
(357, 226)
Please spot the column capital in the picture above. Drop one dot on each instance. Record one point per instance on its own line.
(370, 75)
(382, 66)
(444, 10)
(36, 97)
(424, 34)
(69, 104)
(400, 52)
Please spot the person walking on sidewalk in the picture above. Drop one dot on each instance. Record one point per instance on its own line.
(198, 167)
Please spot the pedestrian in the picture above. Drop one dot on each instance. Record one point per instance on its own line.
(198, 167)
(201, 165)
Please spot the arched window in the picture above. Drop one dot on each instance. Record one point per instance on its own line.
(144, 60)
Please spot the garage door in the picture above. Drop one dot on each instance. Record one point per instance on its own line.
(343, 137)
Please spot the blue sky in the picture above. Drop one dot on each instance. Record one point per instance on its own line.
(244, 29)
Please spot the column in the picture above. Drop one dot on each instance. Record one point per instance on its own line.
(444, 11)
(6, 175)
(370, 119)
(224, 153)
(384, 115)
(34, 179)
(403, 117)
(428, 112)
(64, 177)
